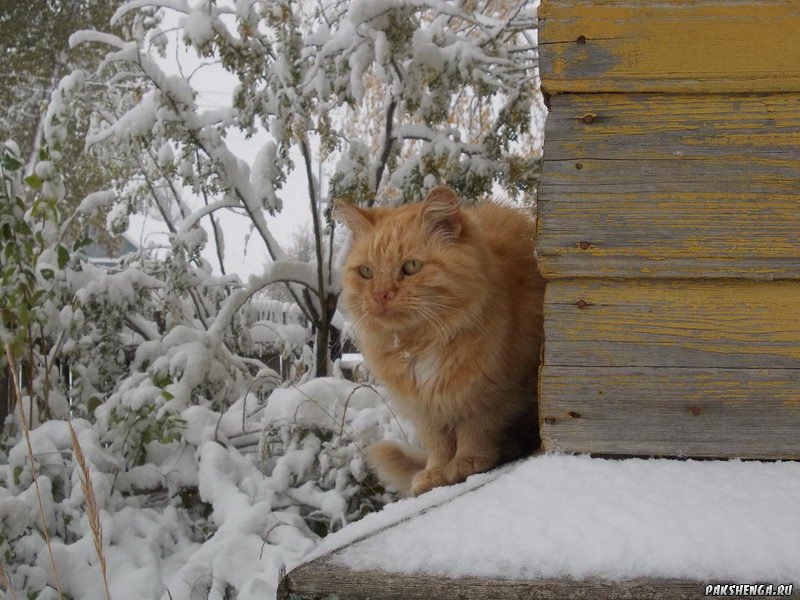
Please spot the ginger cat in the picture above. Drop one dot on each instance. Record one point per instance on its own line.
(447, 307)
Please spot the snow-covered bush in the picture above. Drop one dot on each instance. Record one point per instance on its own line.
(215, 514)
(204, 488)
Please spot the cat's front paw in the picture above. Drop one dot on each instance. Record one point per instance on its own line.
(426, 480)
(461, 467)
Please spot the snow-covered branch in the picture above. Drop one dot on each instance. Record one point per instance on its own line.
(302, 273)
(192, 219)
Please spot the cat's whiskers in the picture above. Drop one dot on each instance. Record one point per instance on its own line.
(437, 323)
(471, 318)
(363, 322)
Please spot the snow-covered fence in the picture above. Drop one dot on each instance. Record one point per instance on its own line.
(691, 199)
(279, 333)
(276, 311)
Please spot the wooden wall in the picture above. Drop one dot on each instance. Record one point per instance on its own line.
(669, 227)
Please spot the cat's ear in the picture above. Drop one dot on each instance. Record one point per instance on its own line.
(441, 211)
(355, 219)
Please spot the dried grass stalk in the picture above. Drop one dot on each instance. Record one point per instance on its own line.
(18, 391)
(7, 582)
(92, 513)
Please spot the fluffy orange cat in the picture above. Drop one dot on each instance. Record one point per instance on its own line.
(447, 307)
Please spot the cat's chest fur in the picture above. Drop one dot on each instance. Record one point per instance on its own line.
(428, 380)
(411, 366)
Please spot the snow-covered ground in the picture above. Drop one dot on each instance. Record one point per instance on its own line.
(581, 517)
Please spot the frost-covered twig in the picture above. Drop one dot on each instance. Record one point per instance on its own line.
(176, 5)
(389, 406)
(137, 324)
(208, 210)
(266, 377)
(330, 415)
(24, 420)
(388, 143)
(215, 228)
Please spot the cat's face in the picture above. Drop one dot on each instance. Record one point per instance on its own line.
(410, 266)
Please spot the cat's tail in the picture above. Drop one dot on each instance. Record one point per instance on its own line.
(395, 464)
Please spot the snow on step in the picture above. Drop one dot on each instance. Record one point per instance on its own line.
(558, 516)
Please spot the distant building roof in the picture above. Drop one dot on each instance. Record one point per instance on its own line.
(99, 255)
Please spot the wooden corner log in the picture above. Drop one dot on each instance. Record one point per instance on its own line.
(669, 46)
(325, 579)
(691, 185)
(672, 368)
(672, 412)
(735, 324)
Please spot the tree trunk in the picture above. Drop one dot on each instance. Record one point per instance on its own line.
(323, 337)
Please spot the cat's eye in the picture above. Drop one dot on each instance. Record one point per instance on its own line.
(412, 266)
(365, 272)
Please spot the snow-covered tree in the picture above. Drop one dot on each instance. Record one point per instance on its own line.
(302, 74)
(35, 56)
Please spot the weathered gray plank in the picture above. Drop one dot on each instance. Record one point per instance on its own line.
(659, 234)
(672, 323)
(716, 413)
(756, 174)
(675, 46)
(323, 579)
(595, 264)
(671, 186)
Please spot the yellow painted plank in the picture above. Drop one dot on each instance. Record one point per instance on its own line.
(672, 323)
(676, 46)
(640, 185)
(721, 413)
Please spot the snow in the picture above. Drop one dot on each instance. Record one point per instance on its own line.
(198, 27)
(578, 517)
(398, 512)
(47, 441)
(321, 400)
(91, 202)
(253, 502)
(265, 173)
(267, 332)
(351, 360)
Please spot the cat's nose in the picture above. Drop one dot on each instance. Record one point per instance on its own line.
(382, 297)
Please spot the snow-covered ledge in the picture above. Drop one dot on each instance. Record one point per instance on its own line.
(571, 526)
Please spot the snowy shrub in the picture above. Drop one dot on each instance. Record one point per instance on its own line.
(198, 517)
(36, 260)
(203, 488)
(311, 444)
